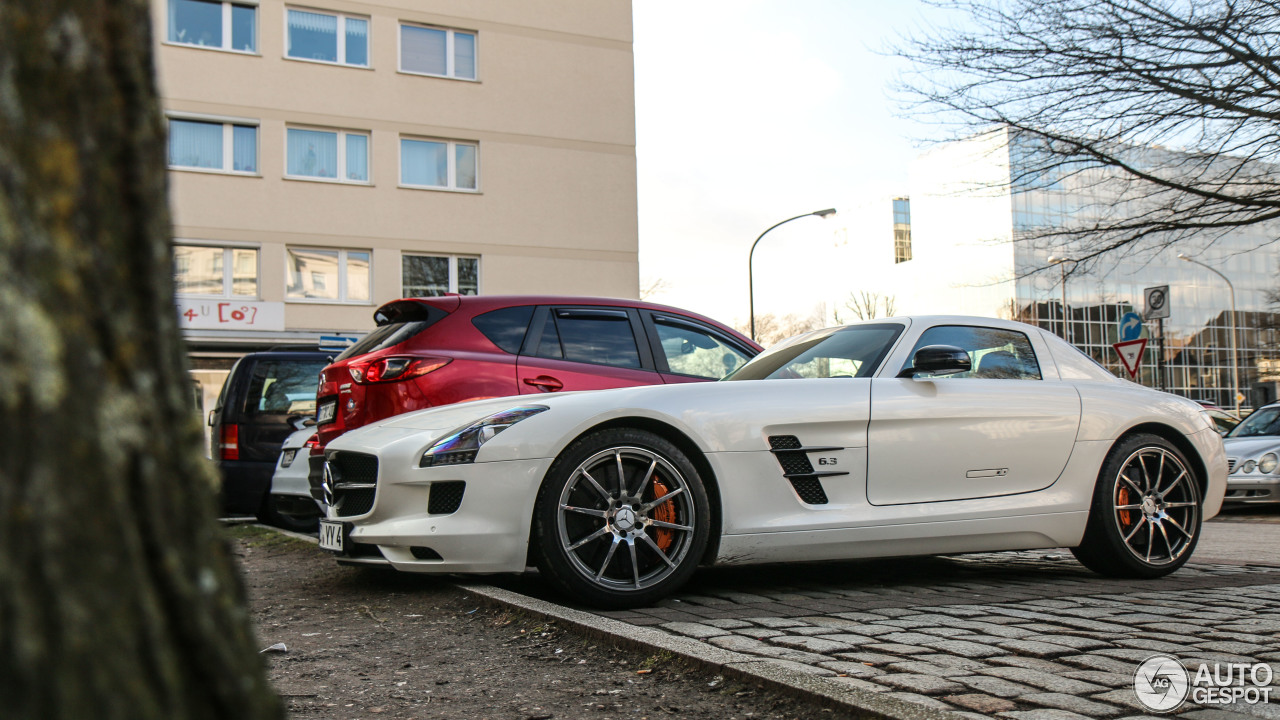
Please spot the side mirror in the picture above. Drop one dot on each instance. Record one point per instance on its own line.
(210, 420)
(938, 360)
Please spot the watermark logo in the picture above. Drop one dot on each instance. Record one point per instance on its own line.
(1162, 683)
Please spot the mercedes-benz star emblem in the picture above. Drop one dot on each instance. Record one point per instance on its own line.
(326, 485)
(625, 519)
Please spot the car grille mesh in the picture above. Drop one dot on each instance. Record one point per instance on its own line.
(446, 497)
(796, 463)
(354, 468)
(810, 490)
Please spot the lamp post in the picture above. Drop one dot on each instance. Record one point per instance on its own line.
(1061, 263)
(1235, 360)
(751, 288)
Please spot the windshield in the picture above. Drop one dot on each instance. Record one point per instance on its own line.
(1263, 422)
(854, 351)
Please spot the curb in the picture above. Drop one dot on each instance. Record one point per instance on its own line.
(827, 692)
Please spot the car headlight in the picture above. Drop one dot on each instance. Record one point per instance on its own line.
(1248, 466)
(460, 446)
(1268, 463)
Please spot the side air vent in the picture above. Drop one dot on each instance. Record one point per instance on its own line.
(793, 456)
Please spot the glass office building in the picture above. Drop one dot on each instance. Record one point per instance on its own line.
(977, 209)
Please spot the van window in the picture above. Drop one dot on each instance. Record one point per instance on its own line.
(283, 387)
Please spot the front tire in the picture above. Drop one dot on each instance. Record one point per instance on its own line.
(1145, 518)
(621, 519)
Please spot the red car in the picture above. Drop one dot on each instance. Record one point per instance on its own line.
(428, 352)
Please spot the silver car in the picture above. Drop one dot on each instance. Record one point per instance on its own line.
(1253, 458)
(292, 506)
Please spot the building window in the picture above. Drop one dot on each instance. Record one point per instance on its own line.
(215, 271)
(212, 24)
(901, 229)
(437, 51)
(434, 275)
(212, 145)
(327, 37)
(328, 274)
(439, 164)
(327, 155)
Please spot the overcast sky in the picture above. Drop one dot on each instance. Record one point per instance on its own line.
(749, 112)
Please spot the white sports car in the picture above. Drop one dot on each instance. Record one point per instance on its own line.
(902, 436)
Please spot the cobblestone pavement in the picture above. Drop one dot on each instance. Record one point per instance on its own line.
(1027, 635)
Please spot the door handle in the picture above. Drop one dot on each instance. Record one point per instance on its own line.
(545, 383)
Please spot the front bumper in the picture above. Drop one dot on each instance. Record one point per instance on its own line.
(487, 533)
(1252, 488)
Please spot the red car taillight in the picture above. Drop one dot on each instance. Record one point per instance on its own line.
(311, 442)
(394, 369)
(229, 442)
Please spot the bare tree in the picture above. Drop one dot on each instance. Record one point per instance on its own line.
(1089, 88)
(118, 594)
(867, 305)
(770, 328)
(653, 286)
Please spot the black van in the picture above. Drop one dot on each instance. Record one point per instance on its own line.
(267, 396)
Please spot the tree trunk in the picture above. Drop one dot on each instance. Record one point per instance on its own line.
(118, 595)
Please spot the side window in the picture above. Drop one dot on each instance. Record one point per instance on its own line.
(506, 327)
(600, 337)
(286, 387)
(690, 350)
(995, 354)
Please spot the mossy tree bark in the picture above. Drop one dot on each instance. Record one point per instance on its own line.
(118, 596)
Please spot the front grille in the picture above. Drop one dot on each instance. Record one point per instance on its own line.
(356, 467)
(353, 469)
(796, 467)
(446, 497)
(350, 503)
(1231, 465)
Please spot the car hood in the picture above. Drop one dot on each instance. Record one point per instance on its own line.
(435, 423)
(1246, 447)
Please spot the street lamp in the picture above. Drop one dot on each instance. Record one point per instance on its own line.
(1235, 361)
(751, 288)
(1061, 262)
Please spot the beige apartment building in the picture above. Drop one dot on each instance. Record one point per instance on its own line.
(328, 156)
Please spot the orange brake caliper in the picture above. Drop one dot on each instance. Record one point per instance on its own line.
(666, 512)
(1126, 516)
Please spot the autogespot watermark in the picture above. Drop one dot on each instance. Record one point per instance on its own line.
(1162, 683)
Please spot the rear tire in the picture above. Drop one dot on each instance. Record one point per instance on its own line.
(1145, 518)
(604, 533)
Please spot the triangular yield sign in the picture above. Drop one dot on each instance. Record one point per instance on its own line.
(1130, 352)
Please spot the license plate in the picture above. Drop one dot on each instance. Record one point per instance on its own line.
(286, 458)
(326, 412)
(331, 535)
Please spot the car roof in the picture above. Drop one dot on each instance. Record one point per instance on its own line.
(477, 304)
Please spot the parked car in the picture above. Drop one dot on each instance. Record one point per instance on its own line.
(430, 352)
(1225, 421)
(292, 506)
(903, 436)
(266, 397)
(1253, 458)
